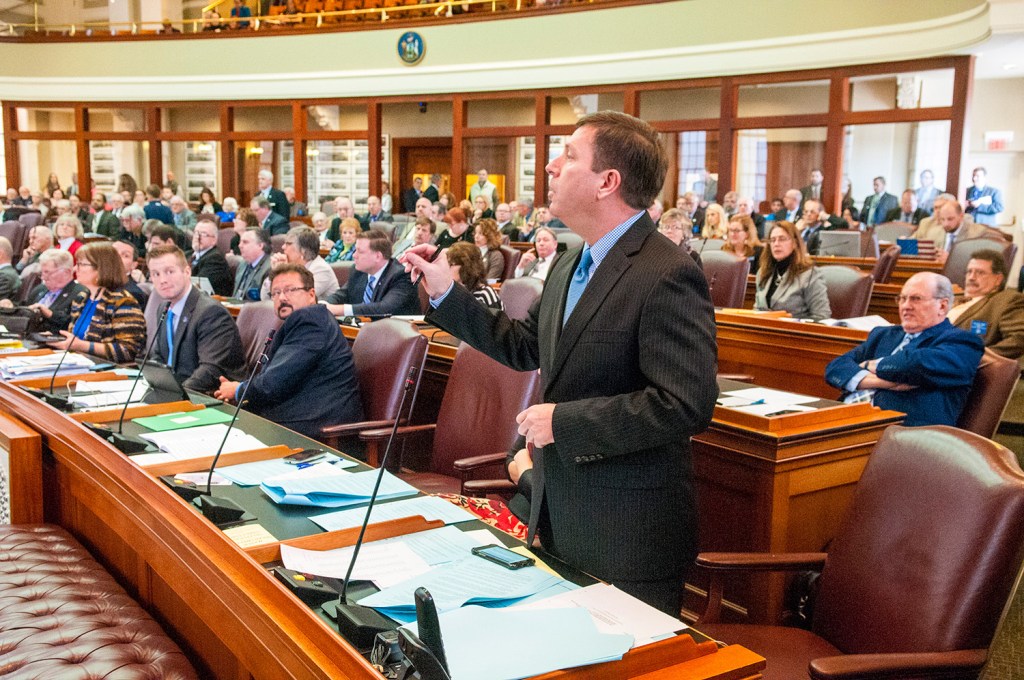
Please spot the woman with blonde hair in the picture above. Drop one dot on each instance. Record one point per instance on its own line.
(69, 233)
(715, 222)
(741, 238)
(345, 247)
(787, 279)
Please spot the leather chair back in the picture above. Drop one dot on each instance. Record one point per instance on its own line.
(512, 257)
(13, 230)
(328, 208)
(342, 271)
(31, 219)
(479, 408)
(993, 386)
(890, 231)
(255, 321)
(927, 555)
(726, 274)
(706, 245)
(387, 227)
(384, 353)
(27, 284)
(569, 238)
(233, 262)
(224, 237)
(849, 290)
(956, 264)
(518, 295)
(886, 264)
(868, 244)
(277, 243)
(424, 296)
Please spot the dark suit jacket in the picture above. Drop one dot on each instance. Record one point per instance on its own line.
(279, 203)
(782, 216)
(108, 226)
(310, 381)
(941, 362)
(214, 266)
(393, 294)
(887, 202)
(275, 224)
(206, 344)
(155, 210)
(255, 281)
(60, 318)
(431, 193)
(10, 283)
(998, 319)
(141, 296)
(894, 216)
(409, 198)
(366, 223)
(633, 377)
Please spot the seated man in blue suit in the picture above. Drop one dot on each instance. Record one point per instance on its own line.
(924, 367)
(379, 284)
(309, 381)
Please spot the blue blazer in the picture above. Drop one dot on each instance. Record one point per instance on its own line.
(310, 381)
(941, 362)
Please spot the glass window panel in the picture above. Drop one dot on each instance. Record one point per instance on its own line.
(409, 119)
(324, 118)
(567, 110)
(195, 118)
(501, 112)
(681, 104)
(263, 118)
(898, 152)
(771, 162)
(902, 91)
(195, 165)
(252, 156)
(39, 158)
(116, 164)
(338, 168)
(45, 119)
(116, 120)
(781, 99)
(510, 163)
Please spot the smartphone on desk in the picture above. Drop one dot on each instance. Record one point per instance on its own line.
(306, 456)
(501, 555)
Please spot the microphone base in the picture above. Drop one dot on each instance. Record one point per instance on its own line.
(58, 402)
(222, 511)
(125, 443)
(187, 490)
(359, 625)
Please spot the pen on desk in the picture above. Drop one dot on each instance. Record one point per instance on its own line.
(756, 403)
(303, 466)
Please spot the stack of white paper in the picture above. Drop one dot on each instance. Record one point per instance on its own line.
(429, 507)
(109, 397)
(197, 442)
(44, 364)
(252, 474)
(762, 401)
(333, 488)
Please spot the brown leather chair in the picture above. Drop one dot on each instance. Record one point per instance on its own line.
(387, 227)
(475, 425)
(512, 257)
(917, 575)
(27, 284)
(727, 277)
(890, 231)
(886, 264)
(277, 243)
(385, 353)
(233, 262)
(849, 290)
(518, 295)
(255, 321)
(224, 237)
(342, 270)
(956, 264)
(993, 386)
(13, 230)
(31, 219)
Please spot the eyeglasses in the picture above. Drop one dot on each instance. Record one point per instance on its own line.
(85, 264)
(912, 299)
(671, 227)
(737, 231)
(274, 294)
(779, 239)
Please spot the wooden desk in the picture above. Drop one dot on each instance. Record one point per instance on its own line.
(229, 614)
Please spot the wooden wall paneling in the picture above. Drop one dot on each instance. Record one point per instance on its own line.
(227, 154)
(540, 177)
(156, 156)
(458, 168)
(727, 136)
(832, 170)
(23, 468)
(959, 139)
(373, 136)
(82, 149)
(298, 151)
(12, 154)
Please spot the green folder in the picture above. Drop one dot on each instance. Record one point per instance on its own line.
(178, 421)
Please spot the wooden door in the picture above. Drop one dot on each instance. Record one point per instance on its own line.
(418, 156)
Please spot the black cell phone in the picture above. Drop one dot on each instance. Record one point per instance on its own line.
(501, 555)
(305, 456)
(45, 337)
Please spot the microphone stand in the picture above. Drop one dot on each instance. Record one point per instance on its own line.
(361, 624)
(49, 397)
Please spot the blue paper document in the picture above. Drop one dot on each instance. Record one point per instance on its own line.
(546, 640)
(333, 490)
(252, 474)
(429, 507)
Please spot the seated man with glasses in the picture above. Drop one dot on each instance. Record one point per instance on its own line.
(924, 367)
(309, 382)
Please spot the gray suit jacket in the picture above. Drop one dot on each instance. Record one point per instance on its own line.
(255, 280)
(805, 297)
(632, 374)
(10, 283)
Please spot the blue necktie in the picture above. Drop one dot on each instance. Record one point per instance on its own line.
(906, 341)
(580, 278)
(170, 338)
(368, 293)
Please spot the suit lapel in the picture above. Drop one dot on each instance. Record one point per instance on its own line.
(186, 315)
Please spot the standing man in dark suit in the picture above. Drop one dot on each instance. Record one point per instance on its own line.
(379, 284)
(878, 204)
(53, 297)
(309, 382)
(208, 261)
(102, 221)
(412, 195)
(270, 221)
(624, 337)
(924, 367)
(199, 340)
(984, 202)
(908, 211)
(432, 192)
(278, 201)
(813, 190)
(154, 209)
(254, 246)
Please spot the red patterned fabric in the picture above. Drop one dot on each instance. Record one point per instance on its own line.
(493, 512)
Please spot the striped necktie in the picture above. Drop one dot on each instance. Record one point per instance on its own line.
(368, 293)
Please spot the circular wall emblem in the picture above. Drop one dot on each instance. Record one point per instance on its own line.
(411, 48)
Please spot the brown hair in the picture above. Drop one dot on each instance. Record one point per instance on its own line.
(109, 268)
(471, 264)
(287, 268)
(995, 258)
(752, 241)
(801, 260)
(247, 216)
(379, 241)
(633, 148)
(489, 229)
(427, 222)
(160, 251)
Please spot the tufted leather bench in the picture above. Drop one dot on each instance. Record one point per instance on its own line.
(62, 616)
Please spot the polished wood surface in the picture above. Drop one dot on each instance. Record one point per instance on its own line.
(21, 450)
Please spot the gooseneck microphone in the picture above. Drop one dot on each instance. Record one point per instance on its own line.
(48, 396)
